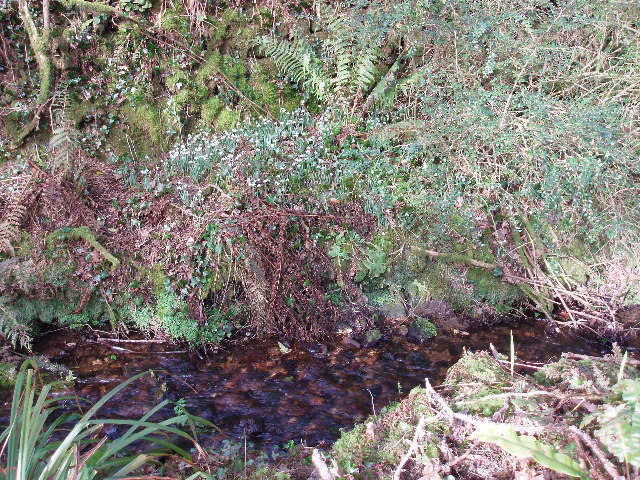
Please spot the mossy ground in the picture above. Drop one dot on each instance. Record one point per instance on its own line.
(430, 431)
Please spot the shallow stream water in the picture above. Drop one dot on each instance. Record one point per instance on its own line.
(271, 397)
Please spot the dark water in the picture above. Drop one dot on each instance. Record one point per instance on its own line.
(308, 394)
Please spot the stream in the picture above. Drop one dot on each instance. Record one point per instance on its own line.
(256, 390)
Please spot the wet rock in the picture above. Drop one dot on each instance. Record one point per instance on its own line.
(372, 336)
(316, 349)
(350, 341)
(402, 330)
(393, 310)
(433, 309)
(629, 316)
(422, 330)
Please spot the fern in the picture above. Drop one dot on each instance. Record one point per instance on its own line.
(15, 213)
(63, 140)
(345, 66)
(59, 106)
(365, 72)
(298, 60)
(10, 328)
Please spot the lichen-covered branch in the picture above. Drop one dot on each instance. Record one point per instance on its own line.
(83, 233)
(40, 43)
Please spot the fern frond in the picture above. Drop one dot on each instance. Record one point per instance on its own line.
(336, 23)
(298, 60)
(60, 105)
(62, 147)
(10, 328)
(365, 72)
(15, 213)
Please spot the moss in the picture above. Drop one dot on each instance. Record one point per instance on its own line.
(209, 69)
(13, 123)
(186, 97)
(27, 245)
(226, 120)
(426, 328)
(77, 112)
(487, 287)
(379, 441)
(210, 110)
(179, 77)
(373, 336)
(176, 19)
(475, 376)
(219, 27)
(60, 311)
(158, 280)
(146, 118)
(381, 297)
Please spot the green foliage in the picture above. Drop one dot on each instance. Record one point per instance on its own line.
(146, 118)
(170, 316)
(476, 376)
(55, 238)
(14, 327)
(344, 66)
(7, 375)
(620, 423)
(40, 446)
(210, 110)
(59, 311)
(427, 328)
(138, 6)
(226, 120)
(526, 446)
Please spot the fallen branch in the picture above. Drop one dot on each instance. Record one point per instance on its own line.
(590, 407)
(606, 463)
(126, 340)
(579, 356)
(412, 448)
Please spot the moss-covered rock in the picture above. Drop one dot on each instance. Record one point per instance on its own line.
(422, 329)
(211, 108)
(372, 336)
(475, 376)
(146, 118)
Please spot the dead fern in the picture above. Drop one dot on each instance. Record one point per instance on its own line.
(63, 149)
(15, 213)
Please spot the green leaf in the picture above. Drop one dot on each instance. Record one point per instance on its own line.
(526, 446)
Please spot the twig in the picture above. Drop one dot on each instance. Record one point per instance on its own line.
(125, 340)
(462, 457)
(608, 466)
(414, 445)
(579, 356)
(321, 466)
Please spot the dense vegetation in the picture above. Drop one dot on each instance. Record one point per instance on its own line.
(204, 170)
(192, 167)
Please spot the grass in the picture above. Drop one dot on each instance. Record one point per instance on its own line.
(37, 444)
